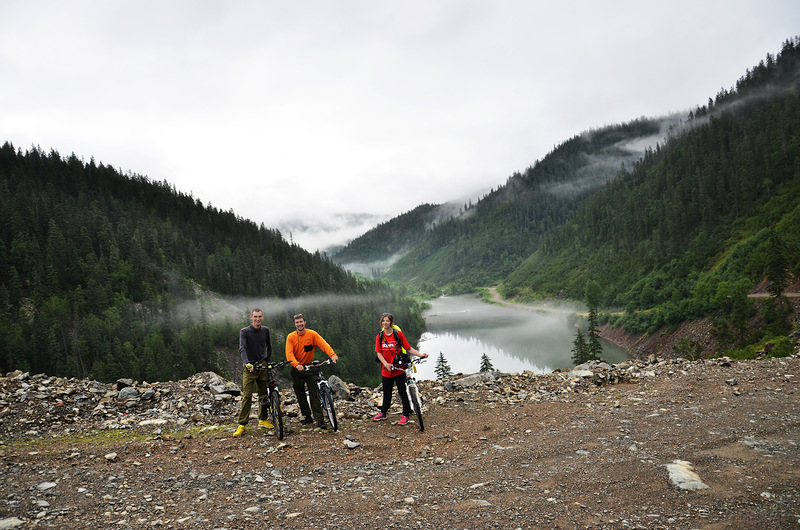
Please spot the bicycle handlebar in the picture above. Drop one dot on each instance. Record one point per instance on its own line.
(269, 366)
(317, 364)
(273, 366)
(416, 360)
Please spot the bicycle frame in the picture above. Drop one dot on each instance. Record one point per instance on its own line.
(273, 400)
(325, 395)
(412, 390)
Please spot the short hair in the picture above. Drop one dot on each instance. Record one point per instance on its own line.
(256, 310)
(298, 316)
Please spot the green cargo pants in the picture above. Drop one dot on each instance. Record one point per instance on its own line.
(258, 378)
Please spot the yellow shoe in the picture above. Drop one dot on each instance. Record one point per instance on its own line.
(266, 424)
(239, 430)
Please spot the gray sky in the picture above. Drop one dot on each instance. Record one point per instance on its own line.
(312, 111)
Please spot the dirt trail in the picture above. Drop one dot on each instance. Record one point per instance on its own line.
(523, 452)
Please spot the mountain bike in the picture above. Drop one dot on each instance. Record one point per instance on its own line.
(412, 389)
(273, 400)
(328, 408)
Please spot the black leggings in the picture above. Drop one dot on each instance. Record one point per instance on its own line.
(388, 382)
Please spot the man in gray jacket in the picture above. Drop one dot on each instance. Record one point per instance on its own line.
(255, 348)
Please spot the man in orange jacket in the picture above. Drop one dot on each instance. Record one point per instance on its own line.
(300, 347)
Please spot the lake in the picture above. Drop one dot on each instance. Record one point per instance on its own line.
(463, 328)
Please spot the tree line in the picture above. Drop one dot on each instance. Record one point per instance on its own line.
(488, 240)
(682, 231)
(96, 267)
(697, 223)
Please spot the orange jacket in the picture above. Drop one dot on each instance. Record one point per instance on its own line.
(300, 348)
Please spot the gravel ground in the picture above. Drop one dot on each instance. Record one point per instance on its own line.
(522, 451)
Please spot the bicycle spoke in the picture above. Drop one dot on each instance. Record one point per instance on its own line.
(277, 413)
(330, 408)
(416, 404)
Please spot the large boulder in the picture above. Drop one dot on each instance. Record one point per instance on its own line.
(339, 389)
(476, 379)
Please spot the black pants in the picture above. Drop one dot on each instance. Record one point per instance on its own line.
(388, 383)
(301, 380)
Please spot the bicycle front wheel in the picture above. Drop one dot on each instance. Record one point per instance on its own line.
(330, 410)
(277, 413)
(416, 404)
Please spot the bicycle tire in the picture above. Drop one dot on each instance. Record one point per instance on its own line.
(330, 409)
(277, 413)
(416, 404)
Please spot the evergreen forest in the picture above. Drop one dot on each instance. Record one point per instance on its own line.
(108, 275)
(702, 217)
(699, 222)
(105, 274)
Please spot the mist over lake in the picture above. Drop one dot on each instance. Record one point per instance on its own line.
(463, 328)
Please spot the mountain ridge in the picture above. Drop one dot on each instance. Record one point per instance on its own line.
(684, 232)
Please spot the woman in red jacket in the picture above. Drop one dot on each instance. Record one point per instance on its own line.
(388, 346)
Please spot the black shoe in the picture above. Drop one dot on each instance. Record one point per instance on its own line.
(306, 421)
(322, 425)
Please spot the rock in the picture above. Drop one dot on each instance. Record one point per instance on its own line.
(218, 385)
(44, 486)
(128, 392)
(339, 389)
(351, 444)
(475, 379)
(159, 421)
(682, 476)
(11, 522)
(228, 388)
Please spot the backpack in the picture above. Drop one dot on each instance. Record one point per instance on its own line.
(403, 354)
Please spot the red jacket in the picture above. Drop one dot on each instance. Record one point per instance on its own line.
(386, 346)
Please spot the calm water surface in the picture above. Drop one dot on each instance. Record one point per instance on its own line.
(463, 328)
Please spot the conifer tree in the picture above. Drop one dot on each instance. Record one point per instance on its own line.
(442, 369)
(593, 345)
(486, 364)
(776, 266)
(580, 350)
(594, 348)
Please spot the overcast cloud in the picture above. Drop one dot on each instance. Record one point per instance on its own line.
(305, 113)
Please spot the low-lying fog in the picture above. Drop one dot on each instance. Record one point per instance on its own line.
(463, 328)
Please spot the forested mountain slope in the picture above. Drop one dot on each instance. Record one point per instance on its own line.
(483, 242)
(96, 268)
(374, 252)
(699, 221)
(683, 228)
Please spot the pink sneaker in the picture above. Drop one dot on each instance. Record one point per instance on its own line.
(403, 420)
(379, 416)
